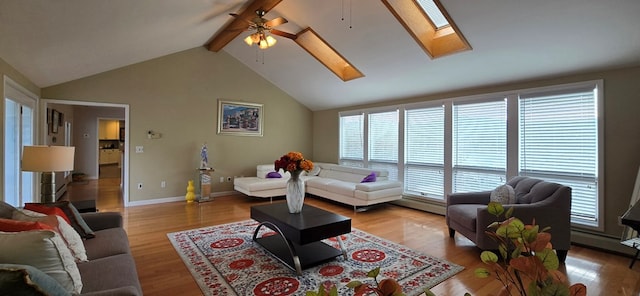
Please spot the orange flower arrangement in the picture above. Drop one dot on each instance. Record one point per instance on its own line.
(293, 162)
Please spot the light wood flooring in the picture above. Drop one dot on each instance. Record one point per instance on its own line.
(162, 272)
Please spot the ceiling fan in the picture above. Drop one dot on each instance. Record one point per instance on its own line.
(261, 27)
(251, 19)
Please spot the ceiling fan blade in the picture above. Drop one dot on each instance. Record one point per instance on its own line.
(284, 34)
(276, 22)
(235, 27)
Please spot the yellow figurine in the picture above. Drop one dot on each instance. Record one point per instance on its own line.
(191, 195)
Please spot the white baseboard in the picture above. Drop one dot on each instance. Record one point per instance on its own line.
(173, 199)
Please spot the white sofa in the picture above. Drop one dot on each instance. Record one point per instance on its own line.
(327, 180)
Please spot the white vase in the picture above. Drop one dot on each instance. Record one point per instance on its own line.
(295, 193)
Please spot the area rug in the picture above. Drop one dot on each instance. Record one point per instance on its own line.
(224, 260)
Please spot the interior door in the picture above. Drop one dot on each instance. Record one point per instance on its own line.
(19, 131)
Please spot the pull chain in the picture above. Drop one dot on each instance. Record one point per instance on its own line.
(350, 8)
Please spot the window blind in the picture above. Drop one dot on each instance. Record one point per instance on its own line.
(352, 140)
(479, 145)
(559, 143)
(383, 142)
(424, 144)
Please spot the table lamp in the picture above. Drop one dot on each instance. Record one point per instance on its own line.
(48, 160)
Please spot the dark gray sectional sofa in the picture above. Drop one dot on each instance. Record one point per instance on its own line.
(109, 271)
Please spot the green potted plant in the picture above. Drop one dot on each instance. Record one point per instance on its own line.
(527, 263)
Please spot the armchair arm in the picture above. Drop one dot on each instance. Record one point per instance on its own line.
(481, 197)
(102, 220)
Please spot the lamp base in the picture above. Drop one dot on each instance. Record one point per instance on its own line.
(48, 187)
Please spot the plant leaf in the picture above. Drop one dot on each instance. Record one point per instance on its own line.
(354, 284)
(334, 291)
(482, 272)
(549, 259)
(495, 208)
(374, 272)
(488, 257)
(509, 213)
(578, 290)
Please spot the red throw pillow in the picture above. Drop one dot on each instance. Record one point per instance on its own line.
(8, 225)
(47, 210)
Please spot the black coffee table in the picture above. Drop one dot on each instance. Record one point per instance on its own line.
(298, 242)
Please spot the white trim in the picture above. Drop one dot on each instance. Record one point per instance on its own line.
(125, 177)
(175, 199)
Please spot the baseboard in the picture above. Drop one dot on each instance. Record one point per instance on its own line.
(173, 199)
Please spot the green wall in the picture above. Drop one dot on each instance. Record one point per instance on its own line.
(622, 132)
(177, 95)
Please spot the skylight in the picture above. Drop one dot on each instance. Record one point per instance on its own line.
(434, 13)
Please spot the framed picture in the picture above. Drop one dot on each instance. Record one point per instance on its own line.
(55, 121)
(240, 119)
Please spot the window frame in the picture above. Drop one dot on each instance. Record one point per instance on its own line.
(512, 98)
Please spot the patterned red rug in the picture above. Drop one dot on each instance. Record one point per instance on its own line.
(224, 260)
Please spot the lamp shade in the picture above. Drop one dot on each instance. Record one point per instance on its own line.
(47, 158)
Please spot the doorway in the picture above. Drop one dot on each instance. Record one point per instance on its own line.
(19, 131)
(84, 117)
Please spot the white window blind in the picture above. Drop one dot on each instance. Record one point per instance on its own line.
(383, 142)
(352, 140)
(559, 143)
(424, 144)
(479, 146)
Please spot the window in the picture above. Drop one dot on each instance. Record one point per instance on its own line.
(559, 143)
(352, 140)
(479, 146)
(477, 143)
(383, 142)
(424, 165)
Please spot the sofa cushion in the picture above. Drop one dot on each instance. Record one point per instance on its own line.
(257, 184)
(16, 279)
(71, 238)
(108, 242)
(44, 250)
(113, 272)
(39, 208)
(6, 210)
(74, 216)
(341, 187)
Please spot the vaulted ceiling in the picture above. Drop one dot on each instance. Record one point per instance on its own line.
(55, 41)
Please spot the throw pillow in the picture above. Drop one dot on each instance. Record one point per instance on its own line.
(71, 238)
(28, 280)
(40, 208)
(75, 218)
(8, 225)
(44, 250)
(273, 175)
(503, 194)
(6, 210)
(369, 178)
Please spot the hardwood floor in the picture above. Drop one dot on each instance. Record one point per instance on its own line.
(162, 272)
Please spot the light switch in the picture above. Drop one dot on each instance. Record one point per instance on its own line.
(139, 149)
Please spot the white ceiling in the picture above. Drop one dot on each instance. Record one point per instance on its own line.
(55, 41)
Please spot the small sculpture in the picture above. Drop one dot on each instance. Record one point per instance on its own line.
(204, 163)
(191, 192)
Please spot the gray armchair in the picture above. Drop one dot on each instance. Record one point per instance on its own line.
(546, 202)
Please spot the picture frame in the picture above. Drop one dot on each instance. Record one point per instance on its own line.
(55, 121)
(240, 118)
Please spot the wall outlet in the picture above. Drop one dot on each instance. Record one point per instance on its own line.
(163, 184)
(139, 185)
(139, 149)
(229, 179)
(221, 179)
